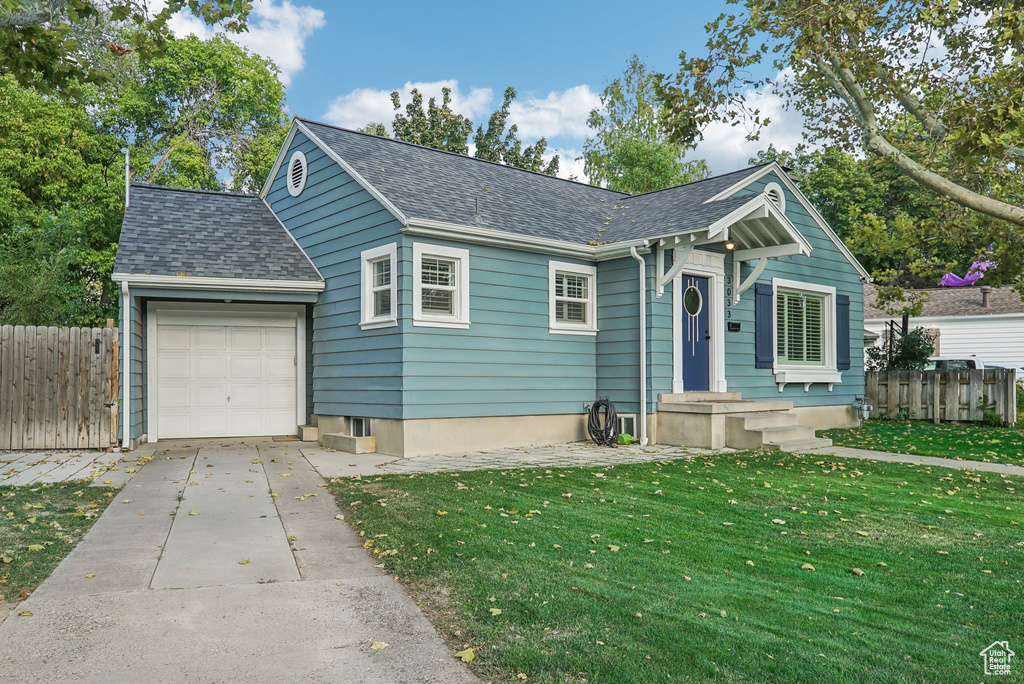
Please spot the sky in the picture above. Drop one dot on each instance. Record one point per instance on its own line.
(340, 62)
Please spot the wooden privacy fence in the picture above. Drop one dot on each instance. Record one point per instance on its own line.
(943, 395)
(58, 387)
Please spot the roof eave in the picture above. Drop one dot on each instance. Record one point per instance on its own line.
(226, 284)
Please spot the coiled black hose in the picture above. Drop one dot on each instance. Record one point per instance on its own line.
(608, 433)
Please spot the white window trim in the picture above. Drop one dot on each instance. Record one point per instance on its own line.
(781, 194)
(557, 327)
(827, 373)
(461, 303)
(296, 190)
(367, 321)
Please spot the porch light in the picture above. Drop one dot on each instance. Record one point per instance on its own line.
(730, 245)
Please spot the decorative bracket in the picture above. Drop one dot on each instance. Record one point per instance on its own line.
(682, 255)
(749, 280)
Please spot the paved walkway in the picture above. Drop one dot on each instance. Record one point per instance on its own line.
(24, 468)
(981, 466)
(196, 572)
(332, 463)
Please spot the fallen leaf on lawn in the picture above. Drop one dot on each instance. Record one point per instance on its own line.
(193, 512)
(35, 547)
(521, 676)
(882, 564)
(807, 566)
(442, 512)
(495, 611)
(613, 548)
(861, 533)
(858, 572)
(466, 656)
(379, 645)
(942, 553)
(723, 614)
(778, 521)
(750, 562)
(728, 524)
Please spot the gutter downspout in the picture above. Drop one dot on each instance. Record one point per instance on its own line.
(126, 374)
(643, 344)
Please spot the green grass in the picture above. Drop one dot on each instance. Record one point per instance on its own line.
(678, 600)
(964, 440)
(51, 516)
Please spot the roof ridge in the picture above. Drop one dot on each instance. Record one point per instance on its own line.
(692, 183)
(456, 154)
(138, 184)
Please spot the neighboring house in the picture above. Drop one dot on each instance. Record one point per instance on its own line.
(417, 301)
(987, 322)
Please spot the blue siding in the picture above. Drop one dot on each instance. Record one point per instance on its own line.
(353, 372)
(618, 353)
(137, 340)
(826, 266)
(507, 363)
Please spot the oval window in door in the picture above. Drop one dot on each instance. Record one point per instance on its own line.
(692, 301)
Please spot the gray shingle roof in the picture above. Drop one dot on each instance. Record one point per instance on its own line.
(952, 301)
(170, 231)
(425, 183)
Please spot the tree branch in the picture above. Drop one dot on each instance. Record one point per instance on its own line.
(932, 124)
(846, 84)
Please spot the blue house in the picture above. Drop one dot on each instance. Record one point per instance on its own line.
(383, 296)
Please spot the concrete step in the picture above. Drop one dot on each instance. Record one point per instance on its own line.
(799, 445)
(763, 419)
(700, 396)
(347, 443)
(742, 406)
(309, 433)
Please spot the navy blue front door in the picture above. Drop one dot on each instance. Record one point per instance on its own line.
(696, 335)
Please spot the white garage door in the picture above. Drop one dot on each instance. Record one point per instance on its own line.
(225, 375)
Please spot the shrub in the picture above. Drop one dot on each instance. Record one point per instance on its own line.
(902, 352)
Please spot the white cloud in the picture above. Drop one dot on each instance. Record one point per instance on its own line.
(560, 113)
(365, 105)
(277, 30)
(568, 165)
(726, 148)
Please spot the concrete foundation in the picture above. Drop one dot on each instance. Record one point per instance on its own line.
(435, 436)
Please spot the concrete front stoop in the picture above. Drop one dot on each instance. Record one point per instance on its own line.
(716, 420)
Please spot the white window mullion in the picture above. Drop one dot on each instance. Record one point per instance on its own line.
(379, 287)
(440, 286)
(572, 299)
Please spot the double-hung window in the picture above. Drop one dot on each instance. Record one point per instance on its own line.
(379, 284)
(572, 299)
(805, 333)
(440, 286)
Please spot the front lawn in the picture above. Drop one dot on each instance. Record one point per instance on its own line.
(702, 570)
(39, 525)
(964, 440)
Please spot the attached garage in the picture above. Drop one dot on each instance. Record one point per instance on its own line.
(231, 370)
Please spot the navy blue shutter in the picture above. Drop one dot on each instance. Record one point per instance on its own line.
(843, 332)
(764, 325)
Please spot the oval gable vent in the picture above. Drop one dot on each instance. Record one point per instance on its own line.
(775, 194)
(296, 174)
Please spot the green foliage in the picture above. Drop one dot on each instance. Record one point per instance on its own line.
(932, 90)
(438, 126)
(61, 202)
(630, 150)
(40, 42)
(902, 352)
(640, 573)
(199, 111)
(496, 145)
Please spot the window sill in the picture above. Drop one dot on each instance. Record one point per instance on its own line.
(453, 323)
(807, 377)
(374, 325)
(572, 331)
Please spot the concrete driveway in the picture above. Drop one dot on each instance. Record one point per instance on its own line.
(197, 573)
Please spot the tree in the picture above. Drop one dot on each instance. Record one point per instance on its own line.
(932, 89)
(494, 144)
(39, 43)
(61, 202)
(200, 112)
(631, 150)
(437, 127)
